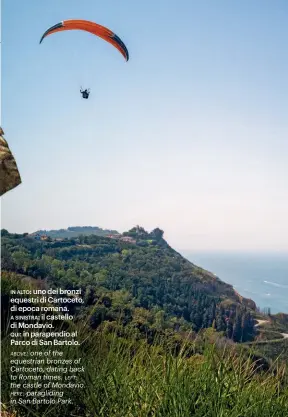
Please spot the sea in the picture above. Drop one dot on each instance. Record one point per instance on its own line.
(261, 277)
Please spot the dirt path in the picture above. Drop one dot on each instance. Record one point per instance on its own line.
(259, 322)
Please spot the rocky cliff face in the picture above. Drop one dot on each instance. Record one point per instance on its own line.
(9, 174)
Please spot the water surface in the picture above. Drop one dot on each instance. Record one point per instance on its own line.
(262, 277)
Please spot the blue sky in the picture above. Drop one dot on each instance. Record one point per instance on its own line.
(190, 135)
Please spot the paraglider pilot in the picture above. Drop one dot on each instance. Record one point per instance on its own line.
(85, 93)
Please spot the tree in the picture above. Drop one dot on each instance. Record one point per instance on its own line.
(89, 296)
(237, 328)
(107, 301)
(159, 319)
(98, 316)
(229, 329)
(157, 234)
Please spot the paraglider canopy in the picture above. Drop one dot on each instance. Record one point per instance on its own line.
(93, 28)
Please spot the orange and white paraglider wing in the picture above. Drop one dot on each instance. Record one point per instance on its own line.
(91, 27)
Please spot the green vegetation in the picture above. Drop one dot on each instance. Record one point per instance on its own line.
(274, 349)
(150, 287)
(158, 332)
(126, 379)
(76, 231)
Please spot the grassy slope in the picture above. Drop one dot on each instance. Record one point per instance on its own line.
(129, 378)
